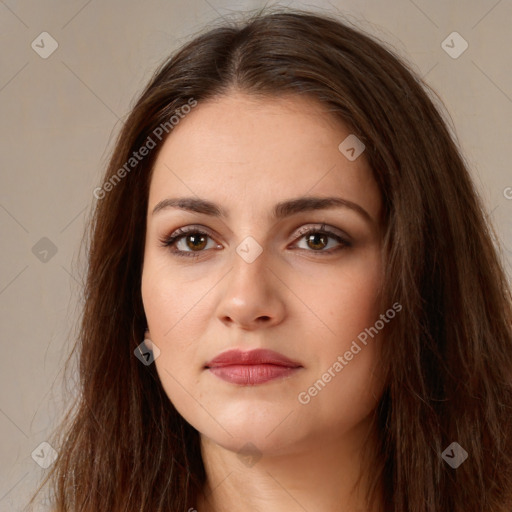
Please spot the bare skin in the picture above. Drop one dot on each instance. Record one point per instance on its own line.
(305, 297)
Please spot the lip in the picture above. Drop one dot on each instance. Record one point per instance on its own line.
(252, 367)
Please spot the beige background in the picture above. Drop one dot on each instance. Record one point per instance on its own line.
(58, 116)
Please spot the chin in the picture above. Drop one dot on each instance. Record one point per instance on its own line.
(263, 431)
(250, 441)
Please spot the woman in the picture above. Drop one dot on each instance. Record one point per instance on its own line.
(289, 226)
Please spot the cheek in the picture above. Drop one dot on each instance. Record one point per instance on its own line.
(172, 301)
(348, 297)
(172, 318)
(176, 316)
(352, 303)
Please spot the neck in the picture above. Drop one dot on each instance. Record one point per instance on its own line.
(323, 474)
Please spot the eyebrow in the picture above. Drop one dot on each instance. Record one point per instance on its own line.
(281, 210)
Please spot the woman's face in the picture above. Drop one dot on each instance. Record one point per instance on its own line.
(248, 276)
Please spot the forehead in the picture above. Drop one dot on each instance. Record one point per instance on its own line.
(261, 149)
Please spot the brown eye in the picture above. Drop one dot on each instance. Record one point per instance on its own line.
(319, 239)
(189, 242)
(196, 241)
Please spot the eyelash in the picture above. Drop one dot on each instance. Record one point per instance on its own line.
(171, 240)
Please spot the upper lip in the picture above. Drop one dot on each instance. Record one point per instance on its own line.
(256, 356)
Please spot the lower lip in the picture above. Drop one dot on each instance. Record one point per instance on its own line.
(251, 374)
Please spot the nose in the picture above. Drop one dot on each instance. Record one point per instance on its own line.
(252, 296)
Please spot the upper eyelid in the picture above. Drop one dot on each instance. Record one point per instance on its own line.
(322, 227)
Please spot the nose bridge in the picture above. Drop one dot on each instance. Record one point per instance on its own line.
(252, 233)
(250, 263)
(250, 294)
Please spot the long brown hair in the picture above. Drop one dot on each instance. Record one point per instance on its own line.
(447, 356)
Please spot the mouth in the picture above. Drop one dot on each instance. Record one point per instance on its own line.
(251, 367)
